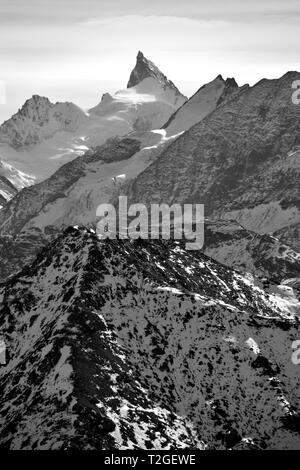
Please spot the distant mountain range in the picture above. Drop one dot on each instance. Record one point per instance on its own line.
(42, 135)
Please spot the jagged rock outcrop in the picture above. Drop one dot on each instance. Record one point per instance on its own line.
(18, 179)
(150, 98)
(239, 164)
(144, 68)
(39, 119)
(11, 181)
(123, 345)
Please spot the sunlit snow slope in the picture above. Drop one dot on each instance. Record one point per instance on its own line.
(42, 135)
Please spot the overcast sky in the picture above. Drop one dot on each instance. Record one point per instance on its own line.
(78, 49)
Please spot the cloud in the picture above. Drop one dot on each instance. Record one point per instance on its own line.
(71, 11)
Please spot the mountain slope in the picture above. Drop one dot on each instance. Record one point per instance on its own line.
(144, 68)
(42, 136)
(203, 102)
(262, 255)
(11, 181)
(241, 161)
(111, 341)
(71, 196)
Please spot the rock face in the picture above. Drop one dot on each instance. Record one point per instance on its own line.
(202, 103)
(18, 179)
(143, 107)
(142, 344)
(7, 190)
(241, 161)
(144, 68)
(262, 255)
(42, 136)
(290, 235)
(39, 119)
(148, 102)
(71, 196)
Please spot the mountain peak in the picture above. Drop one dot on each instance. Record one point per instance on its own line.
(219, 77)
(36, 100)
(140, 55)
(145, 68)
(231, 82)
(39, 119)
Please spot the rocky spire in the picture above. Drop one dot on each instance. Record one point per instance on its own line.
(144, 68)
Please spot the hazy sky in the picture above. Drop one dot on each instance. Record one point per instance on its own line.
(78, 49)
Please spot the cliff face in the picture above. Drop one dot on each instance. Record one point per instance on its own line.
(201, 104)
(241, 161)
(141, 344)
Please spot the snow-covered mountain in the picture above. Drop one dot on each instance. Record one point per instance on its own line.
(17, 178)
(42, 135)
(144, 68)
(72, 194)
(11, 181)
(241, 161)
(125, 345)
(203, 102)
(39, 119)
(290, 234)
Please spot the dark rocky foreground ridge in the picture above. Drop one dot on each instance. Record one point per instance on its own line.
(144, 345)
